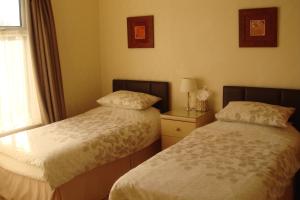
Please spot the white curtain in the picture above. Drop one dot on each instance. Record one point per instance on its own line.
(19, 105)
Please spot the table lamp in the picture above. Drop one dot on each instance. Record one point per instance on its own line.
(188, 85)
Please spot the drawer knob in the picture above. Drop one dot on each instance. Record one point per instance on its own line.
(178, 129)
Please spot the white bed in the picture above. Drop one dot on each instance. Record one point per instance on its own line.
(223, 160)
(228, 159)
(58, 152)
(80, 157)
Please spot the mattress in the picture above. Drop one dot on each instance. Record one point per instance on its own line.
(57, 152)
(220, 161)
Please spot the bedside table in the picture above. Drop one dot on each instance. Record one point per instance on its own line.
(176, 124)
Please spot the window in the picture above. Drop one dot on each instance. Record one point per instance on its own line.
(10, 15)
(19, 106)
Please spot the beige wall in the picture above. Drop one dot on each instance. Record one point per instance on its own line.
(77, 24)
(198, 39)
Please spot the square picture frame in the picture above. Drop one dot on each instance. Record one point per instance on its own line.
(258, 27)
(140, 31)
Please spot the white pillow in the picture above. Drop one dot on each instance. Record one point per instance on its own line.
(256, 113)
(128, 99)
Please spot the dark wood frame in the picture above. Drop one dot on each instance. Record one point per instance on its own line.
(148, 23)
(270, 17)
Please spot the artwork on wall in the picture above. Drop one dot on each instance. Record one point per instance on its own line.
(258, 27)
(140, 31)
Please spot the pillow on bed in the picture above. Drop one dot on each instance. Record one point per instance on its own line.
(129, 100)
(256, 113)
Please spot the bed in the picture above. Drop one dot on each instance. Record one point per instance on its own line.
(225, 159)
(81, 157)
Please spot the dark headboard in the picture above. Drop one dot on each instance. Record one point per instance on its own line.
(276, 96)
(159, 89)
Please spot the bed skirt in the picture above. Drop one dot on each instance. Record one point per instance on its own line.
(92, 185)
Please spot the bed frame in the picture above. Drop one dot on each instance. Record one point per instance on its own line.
(276, 96)
(96, 183)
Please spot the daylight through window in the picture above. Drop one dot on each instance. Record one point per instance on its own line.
(19, 107)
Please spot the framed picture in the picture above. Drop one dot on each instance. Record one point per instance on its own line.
(140, 31)
(258, 27)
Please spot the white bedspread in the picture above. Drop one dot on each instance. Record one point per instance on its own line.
(221, 161)
(58, 152)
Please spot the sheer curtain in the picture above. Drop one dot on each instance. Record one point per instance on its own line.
(19, 99)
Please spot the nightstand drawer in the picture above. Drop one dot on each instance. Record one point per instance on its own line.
(176, 128)
(167, 141)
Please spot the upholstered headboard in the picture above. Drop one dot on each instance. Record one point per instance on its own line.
(159, 89)
(276, 96)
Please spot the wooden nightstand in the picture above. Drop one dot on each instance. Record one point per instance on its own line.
(176, 124)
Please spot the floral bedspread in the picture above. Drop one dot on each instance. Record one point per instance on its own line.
(65, 149)
(221, 161)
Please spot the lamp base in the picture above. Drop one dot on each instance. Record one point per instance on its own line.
(188, 107)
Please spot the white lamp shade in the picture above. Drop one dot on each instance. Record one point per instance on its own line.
(188, 85)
